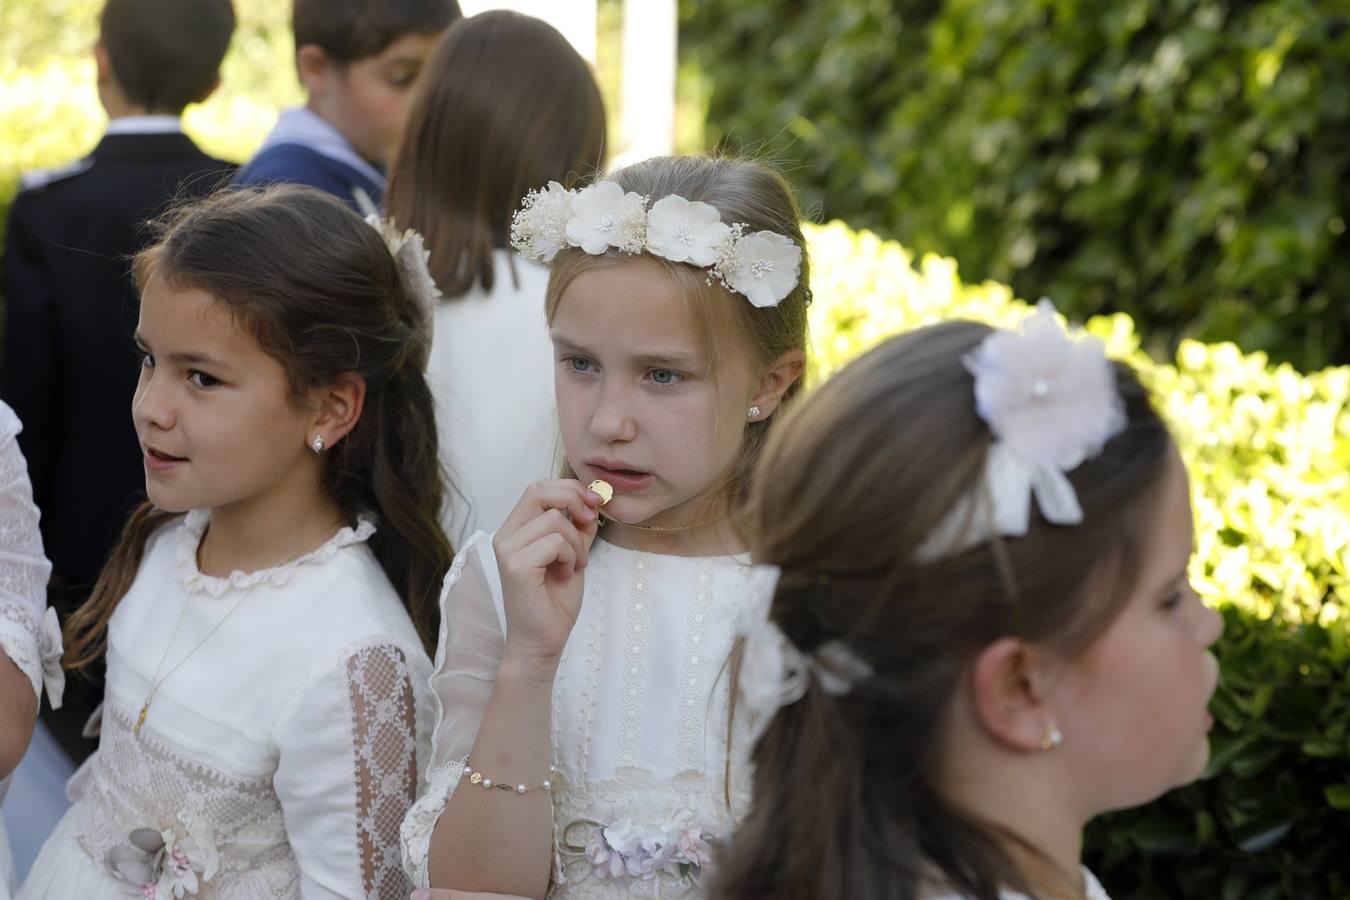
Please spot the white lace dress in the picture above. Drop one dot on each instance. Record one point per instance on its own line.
(29, 633)
(277, 762)
(639, 718)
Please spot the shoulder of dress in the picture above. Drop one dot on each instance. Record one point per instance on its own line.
(40, 179)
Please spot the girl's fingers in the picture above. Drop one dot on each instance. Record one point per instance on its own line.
(552, 521)
(549, 550)
(567, 495)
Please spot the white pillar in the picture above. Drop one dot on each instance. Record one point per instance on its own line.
(650, 29)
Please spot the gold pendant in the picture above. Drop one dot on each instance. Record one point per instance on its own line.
(140, 720)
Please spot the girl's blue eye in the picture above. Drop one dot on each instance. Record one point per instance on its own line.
(202, 380)
(579, 364)
(665, 376)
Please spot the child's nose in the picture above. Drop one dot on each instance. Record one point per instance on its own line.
(150, 405)
(611, 420)
(1211, 629)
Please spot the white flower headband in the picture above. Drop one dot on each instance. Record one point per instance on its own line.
(774, 672)
(1050, 399)
(412, 257)
(762, 266)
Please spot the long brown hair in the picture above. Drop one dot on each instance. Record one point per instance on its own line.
(846, 802)
(504, 104)
(730, 326)
(319, 291)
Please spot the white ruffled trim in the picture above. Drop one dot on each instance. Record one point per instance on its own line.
(195, 581)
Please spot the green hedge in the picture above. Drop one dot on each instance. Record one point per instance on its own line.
(1183, 161)
(1269, 454)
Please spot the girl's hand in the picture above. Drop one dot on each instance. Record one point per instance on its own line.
(541, 551)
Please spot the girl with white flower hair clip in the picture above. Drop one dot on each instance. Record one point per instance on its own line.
(579, 750)
(266, 615)
(982, 635)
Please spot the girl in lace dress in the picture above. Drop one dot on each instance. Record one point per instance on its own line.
(265, 614)
(581, 747)
(982, 634)
(30, 638)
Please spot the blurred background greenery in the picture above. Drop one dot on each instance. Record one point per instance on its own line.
(1179, 169)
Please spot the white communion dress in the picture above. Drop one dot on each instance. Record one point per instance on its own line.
(277, 761)
(639, 718)
(29, 633)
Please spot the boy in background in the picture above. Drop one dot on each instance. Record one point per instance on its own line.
(357, 61)
(70, 364)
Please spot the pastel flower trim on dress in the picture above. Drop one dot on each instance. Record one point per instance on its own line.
(762, 266)
(1049, 397)
(166, 864)
(678, 848)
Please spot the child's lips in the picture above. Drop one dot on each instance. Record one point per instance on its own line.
(159, 461)
(622, 480)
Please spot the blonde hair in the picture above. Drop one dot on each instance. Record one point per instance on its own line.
(729, 326)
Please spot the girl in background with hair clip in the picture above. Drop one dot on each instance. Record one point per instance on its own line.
(581, 649)
(267, 664)
(505, 104)
(983, 634)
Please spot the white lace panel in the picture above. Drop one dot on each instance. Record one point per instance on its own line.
(23, 567)
(384, 728)
(142, 782)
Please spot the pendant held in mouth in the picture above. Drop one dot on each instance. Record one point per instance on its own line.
(603, 488)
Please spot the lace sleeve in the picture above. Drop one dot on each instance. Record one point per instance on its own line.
(24, 635)
(472, 637)
(348, 772)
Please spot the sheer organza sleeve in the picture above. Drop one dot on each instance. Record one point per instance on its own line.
(29, 632)
(347, 774)
(473, 629)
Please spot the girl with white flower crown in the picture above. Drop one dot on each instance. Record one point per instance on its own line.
(581, 748)
(266, 614)
(979, 631)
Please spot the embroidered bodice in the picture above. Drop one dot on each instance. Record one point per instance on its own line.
(639, 717)
(280, 758)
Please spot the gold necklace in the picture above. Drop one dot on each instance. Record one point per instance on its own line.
(156, 681)
(606, 517)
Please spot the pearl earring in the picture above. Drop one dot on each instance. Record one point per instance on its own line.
(317, 445)
(1053, 738)
(753, 412)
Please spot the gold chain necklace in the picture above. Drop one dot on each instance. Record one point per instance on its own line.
(156, 681)
(606, 517)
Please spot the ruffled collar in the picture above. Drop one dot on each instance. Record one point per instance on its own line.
(195, 581)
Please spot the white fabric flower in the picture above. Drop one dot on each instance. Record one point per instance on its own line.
(603, 216)
(53, 676)
(1051, 402)
(764, 267)
(683, 231)
(539, 227)
(1050, 398)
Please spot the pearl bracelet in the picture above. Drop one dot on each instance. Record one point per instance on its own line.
(478, 778)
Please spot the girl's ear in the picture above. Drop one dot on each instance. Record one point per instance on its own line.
(1008, 695)
(337, 408)
(775, 383)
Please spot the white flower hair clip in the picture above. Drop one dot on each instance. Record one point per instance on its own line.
(412, 258)
(762, 266)
(1049, 397)
(774, 672)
